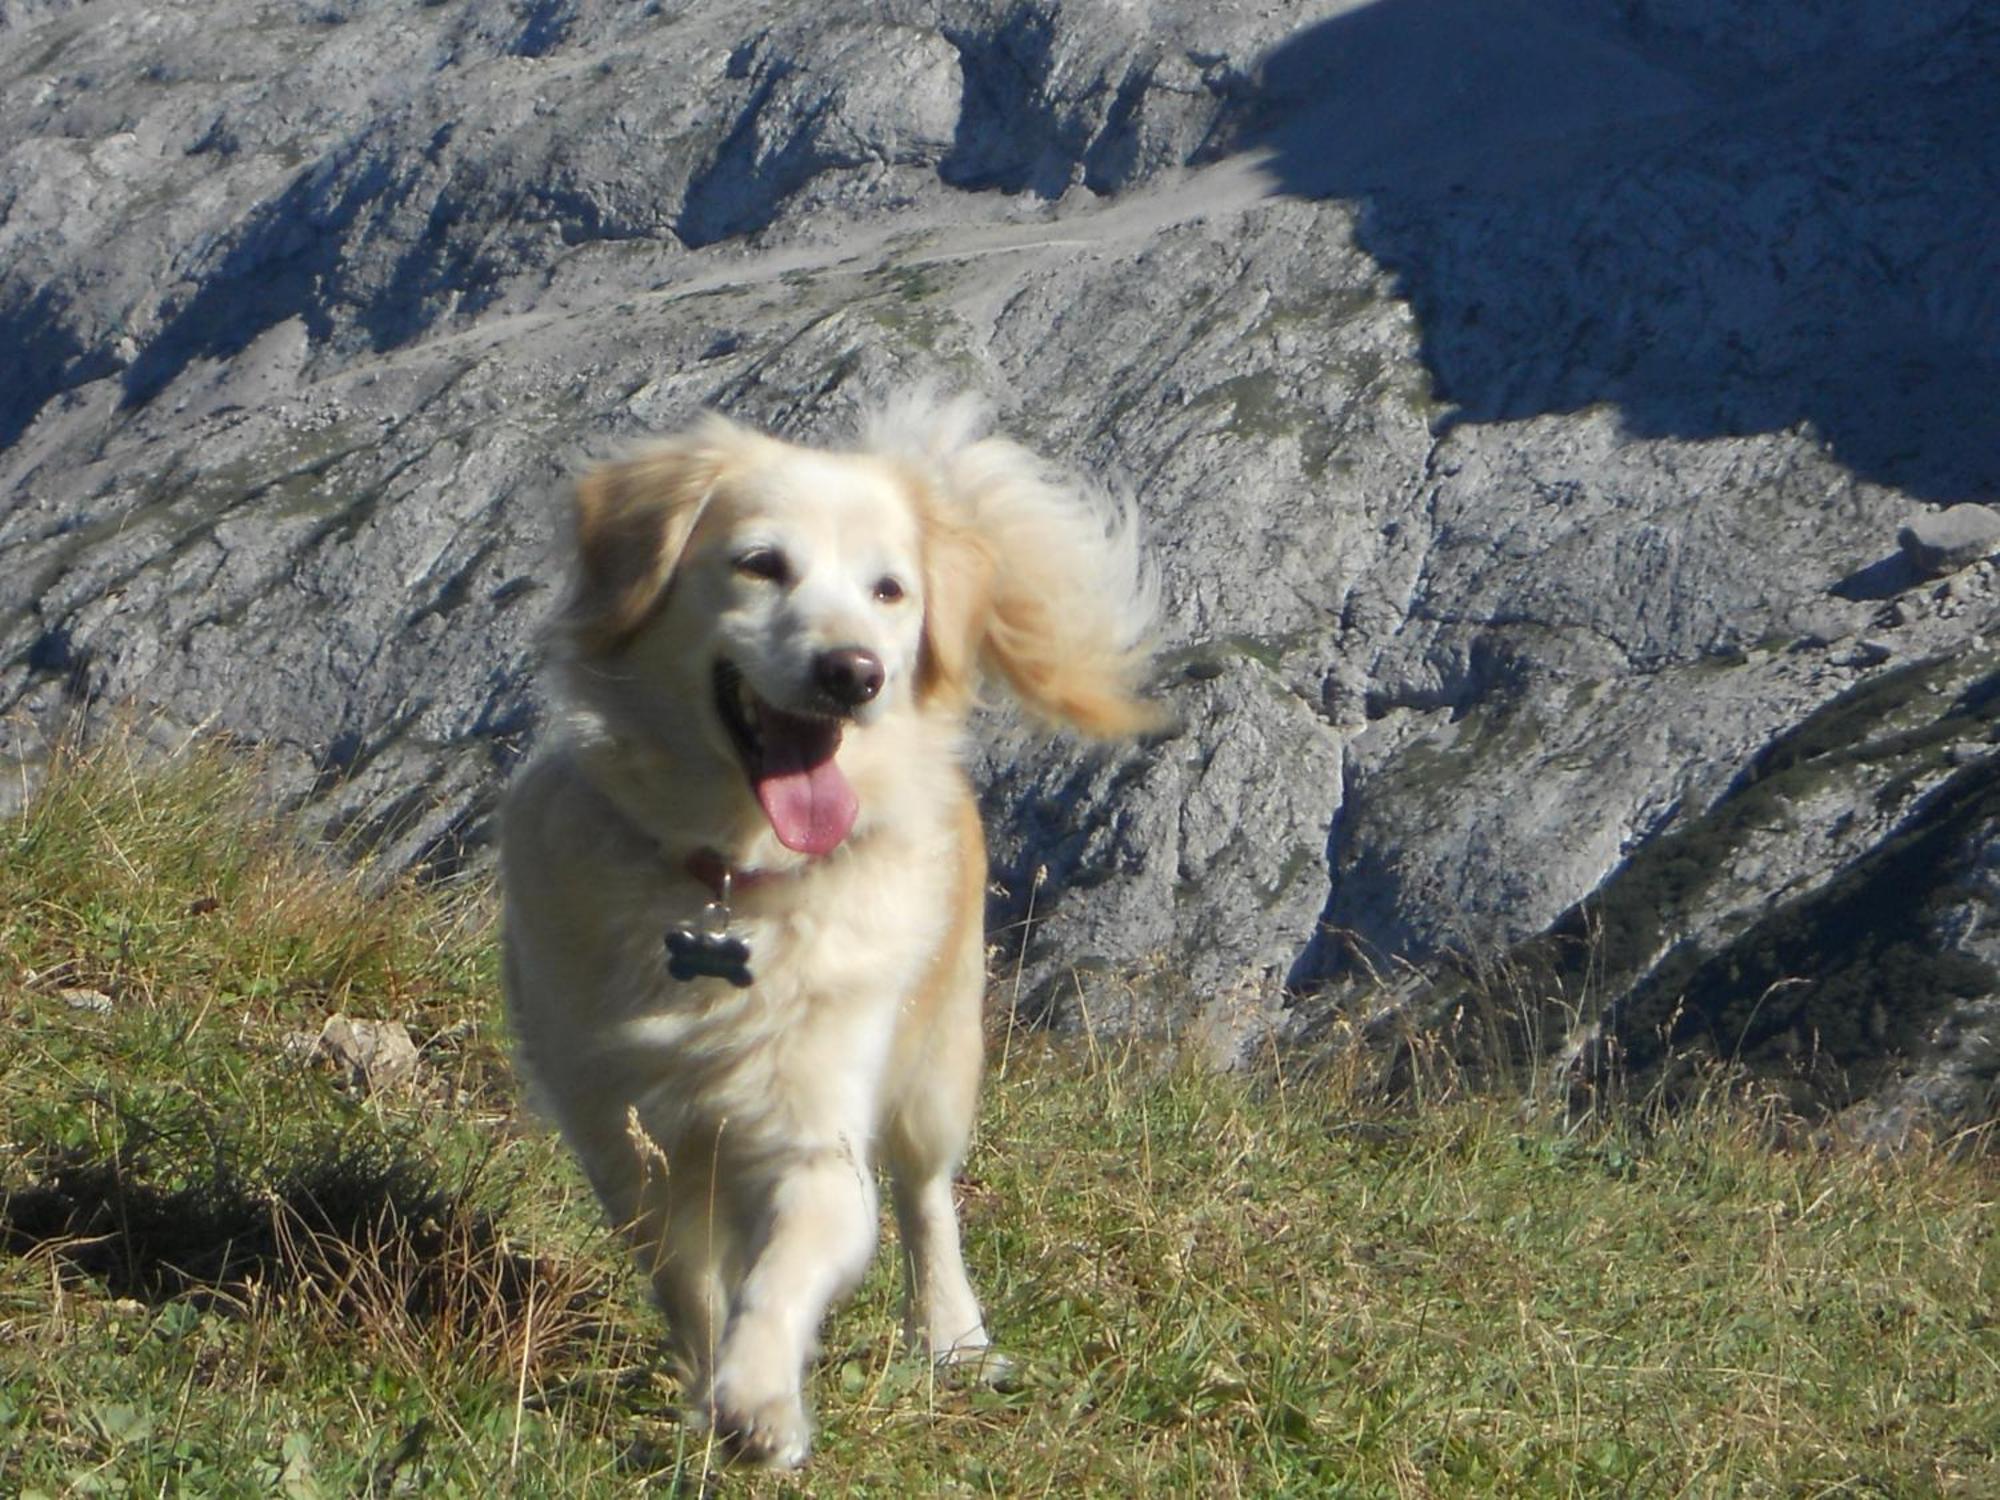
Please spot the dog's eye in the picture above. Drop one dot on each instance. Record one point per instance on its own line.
(767, 563)
(888, 590)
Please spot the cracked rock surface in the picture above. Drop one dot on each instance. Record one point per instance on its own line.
(1524, 400)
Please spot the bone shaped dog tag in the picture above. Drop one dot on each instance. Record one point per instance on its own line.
(706, 949)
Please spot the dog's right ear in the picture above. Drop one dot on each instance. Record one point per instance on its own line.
(632, 521)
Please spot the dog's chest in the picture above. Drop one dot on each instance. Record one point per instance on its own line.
(849, 933)
(797, 1050)
(861, 935)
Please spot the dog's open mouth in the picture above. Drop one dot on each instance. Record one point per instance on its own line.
(789, 760)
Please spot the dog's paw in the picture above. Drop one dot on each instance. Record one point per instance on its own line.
(979, 1364)
(966, 1360)
(766, 1429)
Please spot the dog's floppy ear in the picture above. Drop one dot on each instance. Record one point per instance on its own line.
(1038, 581)
(632, 522)
(958, 595)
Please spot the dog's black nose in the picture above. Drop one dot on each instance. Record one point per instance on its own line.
(849, 676)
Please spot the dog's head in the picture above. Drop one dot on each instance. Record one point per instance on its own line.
(819, 620)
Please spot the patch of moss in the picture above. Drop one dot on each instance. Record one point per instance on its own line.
(1413, 388)
(1498, 727)
(289, 477)
(1261, 409)
(1659, 888)
(914, 326)
(1328, 307)
(905, 310)
(1267, 650)
(909, 283)
(1257, 405)
(1299, 862)
(1206, 660)
(1848, 719)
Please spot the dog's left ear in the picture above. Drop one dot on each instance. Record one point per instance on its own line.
(958, 599)
(1038, 583)
(632, 521)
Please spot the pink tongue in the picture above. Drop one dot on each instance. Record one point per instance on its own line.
(809, 803)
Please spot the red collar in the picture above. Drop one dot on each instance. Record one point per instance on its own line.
(710, 868)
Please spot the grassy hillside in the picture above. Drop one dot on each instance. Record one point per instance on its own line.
(228, 1268)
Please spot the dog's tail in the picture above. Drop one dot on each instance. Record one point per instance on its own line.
(1034, 575)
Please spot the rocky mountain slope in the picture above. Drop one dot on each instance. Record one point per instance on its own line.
(1524, 398)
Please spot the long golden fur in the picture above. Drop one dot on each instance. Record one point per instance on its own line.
(765, 663)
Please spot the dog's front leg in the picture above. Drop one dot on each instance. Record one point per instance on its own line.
(818, 1234)
(940, 1312)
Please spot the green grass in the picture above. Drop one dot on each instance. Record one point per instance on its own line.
(227, 1271)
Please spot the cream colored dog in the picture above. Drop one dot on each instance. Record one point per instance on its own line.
(744, 881)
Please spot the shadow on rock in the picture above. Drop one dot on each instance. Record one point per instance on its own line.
(295, 258)
(1724, 222)
(1885, 579)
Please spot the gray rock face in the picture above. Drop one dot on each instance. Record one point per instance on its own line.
(1523, 399)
